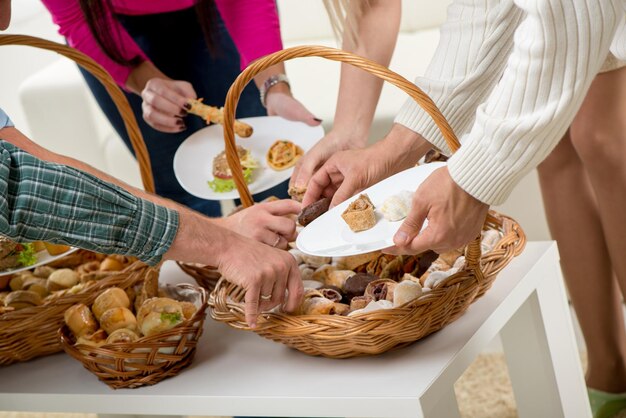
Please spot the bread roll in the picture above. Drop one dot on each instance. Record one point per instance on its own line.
(159, 314)
(116, 318)
(110, 298)
(80, 320)
(122, 335)
(62, 279)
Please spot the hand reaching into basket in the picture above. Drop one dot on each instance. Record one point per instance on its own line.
(164, 103)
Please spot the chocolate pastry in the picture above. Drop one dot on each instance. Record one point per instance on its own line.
(425, 260)
(313, 211)
(356, 285)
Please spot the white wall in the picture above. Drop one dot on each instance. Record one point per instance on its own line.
(19, 62)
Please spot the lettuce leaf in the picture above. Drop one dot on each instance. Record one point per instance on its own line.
(28, 256)
(222, 186)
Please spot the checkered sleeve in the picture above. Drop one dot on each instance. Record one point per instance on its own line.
(50, 202)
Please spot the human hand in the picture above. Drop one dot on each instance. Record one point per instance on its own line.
(325, 148)
(164, 103)
(280, 102)
(266, 275)
(348, 172)
(454, 217)
(266, 222)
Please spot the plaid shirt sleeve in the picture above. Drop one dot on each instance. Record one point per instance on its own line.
(51, 202)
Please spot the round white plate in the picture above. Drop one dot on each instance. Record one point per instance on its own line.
(330, 236)
(193, 161)
(43, 257)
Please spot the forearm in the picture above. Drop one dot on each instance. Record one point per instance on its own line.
(557, 53)
(359, 91)
(473, 48)
(52, 202)
(141, 74)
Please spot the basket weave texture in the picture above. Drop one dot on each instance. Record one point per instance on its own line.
(32, 332)
(143, 362)
(378, 331)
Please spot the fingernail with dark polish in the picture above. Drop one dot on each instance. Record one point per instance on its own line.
(183, 113)
(317, 119)
(187, 106)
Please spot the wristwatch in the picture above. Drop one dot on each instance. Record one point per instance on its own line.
(271, 82)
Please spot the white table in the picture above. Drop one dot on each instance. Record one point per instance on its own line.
(239, 373)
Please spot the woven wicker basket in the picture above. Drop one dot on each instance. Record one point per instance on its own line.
(146, 361)
(33, 332)
(379, 331)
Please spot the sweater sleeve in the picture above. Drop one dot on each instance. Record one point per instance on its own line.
(558, 49)
(474, 44)
(73, 26)
(253, 25)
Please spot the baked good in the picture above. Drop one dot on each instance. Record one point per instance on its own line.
(116, 318)
(159, 314)
(122, 335)
(13, 254)
(405, 291)
(283, 154)
(96, 339)
(212, 114)
(355, 285)
(313, 211)
(21, 299)
(297, 193)
(110, 298)
(359, 215)
(351, 262)
(223, 176)
(80, 320)
(62, 279)
(397, 206)
(381, 289)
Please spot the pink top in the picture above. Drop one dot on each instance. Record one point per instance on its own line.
(253, 25)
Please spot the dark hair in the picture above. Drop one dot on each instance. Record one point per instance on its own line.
(99, 13)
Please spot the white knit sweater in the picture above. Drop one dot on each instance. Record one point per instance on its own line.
(510, 75)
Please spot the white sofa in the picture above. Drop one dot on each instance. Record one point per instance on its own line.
(62, 115)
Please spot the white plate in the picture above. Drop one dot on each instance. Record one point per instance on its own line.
(43, 257)
(193, 161)
(330, 236)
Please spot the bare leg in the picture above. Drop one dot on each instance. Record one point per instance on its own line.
(574, 222)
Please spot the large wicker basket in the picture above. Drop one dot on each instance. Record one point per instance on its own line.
(379, 331)
(33, 332)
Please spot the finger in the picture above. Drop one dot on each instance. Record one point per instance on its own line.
(280, 225)
(170, 91)
(160, 103)
(412, 224)
(251, 308)
(318, 183)
(345, 191)
(185, 89)
(424, 241)
(308, 166)
(297, 112)
(154, 117)
(283, 207)
(294, 175)
(295, 289)
(267, 299)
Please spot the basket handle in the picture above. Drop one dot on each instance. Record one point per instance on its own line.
(136, 139)
(472, 254)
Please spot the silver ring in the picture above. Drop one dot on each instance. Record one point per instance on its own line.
(277, 241)
(266, 297)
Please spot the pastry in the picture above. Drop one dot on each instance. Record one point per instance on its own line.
(322, 272)
(434, 155)
(359, 302)
(212, 114)
(96, 339)
(159, 314)
(355, 285)
(313, 211)
(381, 289)
(338, 277)
(43, 271)
(189, 309)
(116, 318)
(359, 215)
(397, 207)
(315, 261)
(341, 309)
(351, 262)
(111, 264)
(21, 299)
(373, 306)
(331, 294)
(405, 291)
(122, 335)
(283, 155)
(62, 279)
(56, 249)
(296, 193)
(110, 298)
(80, 320)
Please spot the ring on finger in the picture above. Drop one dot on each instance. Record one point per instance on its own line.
(276, 242)
(266, 297)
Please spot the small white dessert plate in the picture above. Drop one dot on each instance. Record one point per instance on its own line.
(330, 236)
(193, 161)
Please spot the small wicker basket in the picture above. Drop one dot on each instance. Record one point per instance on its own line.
(146, 361)
(34, 332)
(379, 331)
